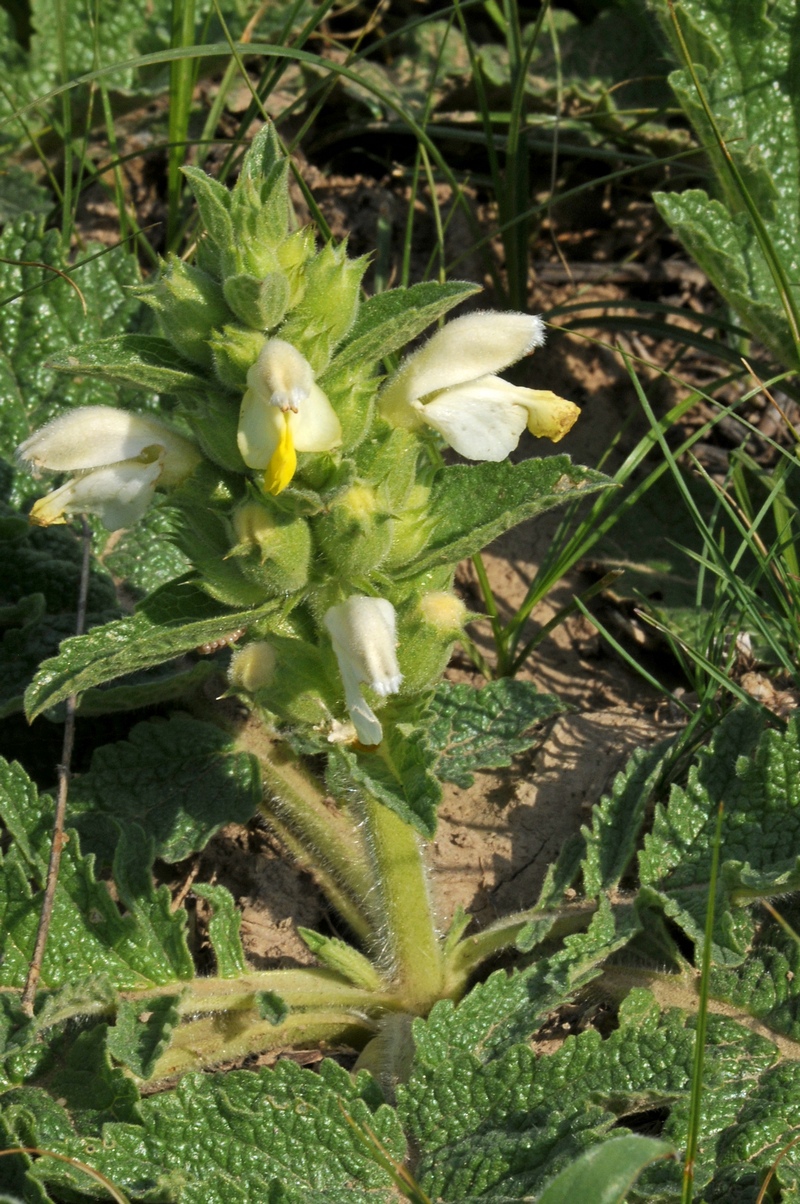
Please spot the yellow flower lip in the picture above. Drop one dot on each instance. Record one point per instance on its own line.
(283, 463)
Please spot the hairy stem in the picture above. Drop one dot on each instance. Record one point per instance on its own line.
(411, 943)
(472, 950)
(212, 1040)
(324, 839)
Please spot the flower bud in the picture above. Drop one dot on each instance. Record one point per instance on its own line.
(282, 545)
(190, 305)
(252, 667)
(259, 303)
(293, 254)
(329, 306)
(443, 611)
(235, 350)
(355, 534)
(412, 527)
(428, 629)
(301, 687)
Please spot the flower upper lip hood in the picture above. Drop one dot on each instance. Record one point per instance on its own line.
(449, 384)
(283, 412)
(119, 458)
(363, 631)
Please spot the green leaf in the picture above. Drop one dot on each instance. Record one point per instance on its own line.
(756, 775)
(142, 1032)
(392, 319)
(606, 1173)
(88, 935)
(486, 728)
(503, 1126)
(144, 361)
(223, 930)
(509, 1007)
(41, 595)
(767, 983)
(144, 556)
(398, 774)
(745, 60)
(471, 505)
(271, 1007)
(727, 250)
(86, 1084)
(149, 688)
(125, 647)
(21, 195)
(115, 35)
(227, 1139)
(179, 780)
(617, 820)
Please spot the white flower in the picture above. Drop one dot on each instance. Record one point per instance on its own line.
(363, 632)
(118, 459)
(283, 412)
(448, 385)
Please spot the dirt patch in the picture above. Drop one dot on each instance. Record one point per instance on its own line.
(274, 898)
(496, 840)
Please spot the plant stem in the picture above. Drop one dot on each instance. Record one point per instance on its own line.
(207, 1042)
(412, 945)
(350, 912)
(181, 85)
(470, 952)
(323, 838)
(57, 843)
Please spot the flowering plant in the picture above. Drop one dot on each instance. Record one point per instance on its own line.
(308, 491)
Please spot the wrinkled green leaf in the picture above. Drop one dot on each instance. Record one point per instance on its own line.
(40, 600)
(125, 647)
(88, 935)
(40, 314)
(223, 930)
(613, 836)
(745, 59)
(464, 501)
(392, 319)
(20, 194)
(144, 361)
(142, 1032)
(756, 775)
(486, 728)
(226, 1139)
(180, 780)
